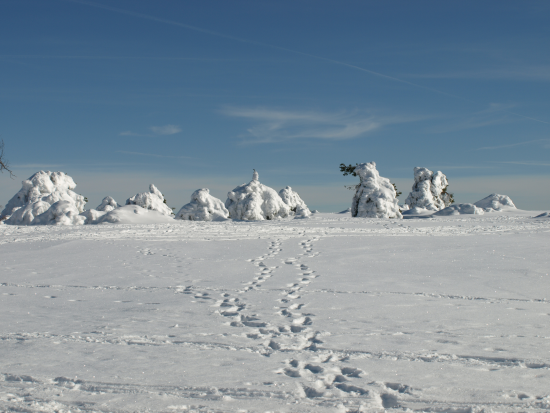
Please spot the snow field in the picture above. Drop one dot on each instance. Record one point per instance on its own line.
(320, 315)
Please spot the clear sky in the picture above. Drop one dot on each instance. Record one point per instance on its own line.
(192, 94)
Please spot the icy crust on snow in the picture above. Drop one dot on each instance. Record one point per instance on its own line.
(375, 196)
(460, 209)
(203, 207)
(427, 191)
(495, 202)
(152, 200)
(38, 194)
(297, 206)
(255, 202)
(134, 214)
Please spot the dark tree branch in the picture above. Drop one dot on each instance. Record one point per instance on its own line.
(4, 165)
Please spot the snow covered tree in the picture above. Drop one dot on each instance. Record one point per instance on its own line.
(153, 200)
(429, 190)
(203, 207)
(375, 196)
(4, 164)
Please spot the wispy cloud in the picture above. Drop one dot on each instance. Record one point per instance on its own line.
(280, 125)
(157, 131)
(528, 163)
(512, 145)
(36, 165)
(539, 73)
(154, 155)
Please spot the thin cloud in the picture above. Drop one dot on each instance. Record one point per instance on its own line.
(165, 130)
(154, 155)
(278, 125)
(512, 145)
(539, 73)
(157, 131)
(284, 49)
(528, 163)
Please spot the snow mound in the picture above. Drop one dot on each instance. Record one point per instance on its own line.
(255, 202)
(495, 202)
(375, 196)
(297, 206)
(203, 207)
(460, 209)
(108, 204)
(544, 215)
(417, 211)
(60, 213)
(152, 200)
(134, 214)
(38, 194)
(429, 190)
(345, 211)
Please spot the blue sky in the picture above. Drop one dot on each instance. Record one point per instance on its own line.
(191, 94)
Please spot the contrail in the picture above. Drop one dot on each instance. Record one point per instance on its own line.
(256, 43)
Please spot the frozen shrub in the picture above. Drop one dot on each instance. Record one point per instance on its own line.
(38, 193)
(203, 207)
(255, 202)
(429, 190)
(152, 200)
(375, 196)
(297, 206)
(60, 213)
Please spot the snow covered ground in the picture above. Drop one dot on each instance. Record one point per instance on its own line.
(327, 314)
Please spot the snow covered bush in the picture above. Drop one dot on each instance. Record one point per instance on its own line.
(460, 209)
(38, 194)
(375, 196)
(495, 202)
(297, 206)
(92, 215)
(429, 190)
(255, 202)
(153, 200)
(203, 207)
(60, 213)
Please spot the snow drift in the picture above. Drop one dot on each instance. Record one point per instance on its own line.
(297, 206)
(255, 202)
(460, 209)
(37, 196)
(375, 196)
(203, 207)
(429, 190)
(152, 200)
(495, 202)
(543, 215)
(134, 214)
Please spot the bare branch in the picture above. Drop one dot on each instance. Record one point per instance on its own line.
(4, 165)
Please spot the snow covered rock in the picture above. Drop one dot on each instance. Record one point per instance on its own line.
(37, 195)
(134, 214)
(460, 209)
(255, 202)
(153, 200)
(429, 190)
(495, 202)
(297, 206)
(203, 207)
(60, 213)
(375, 196)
